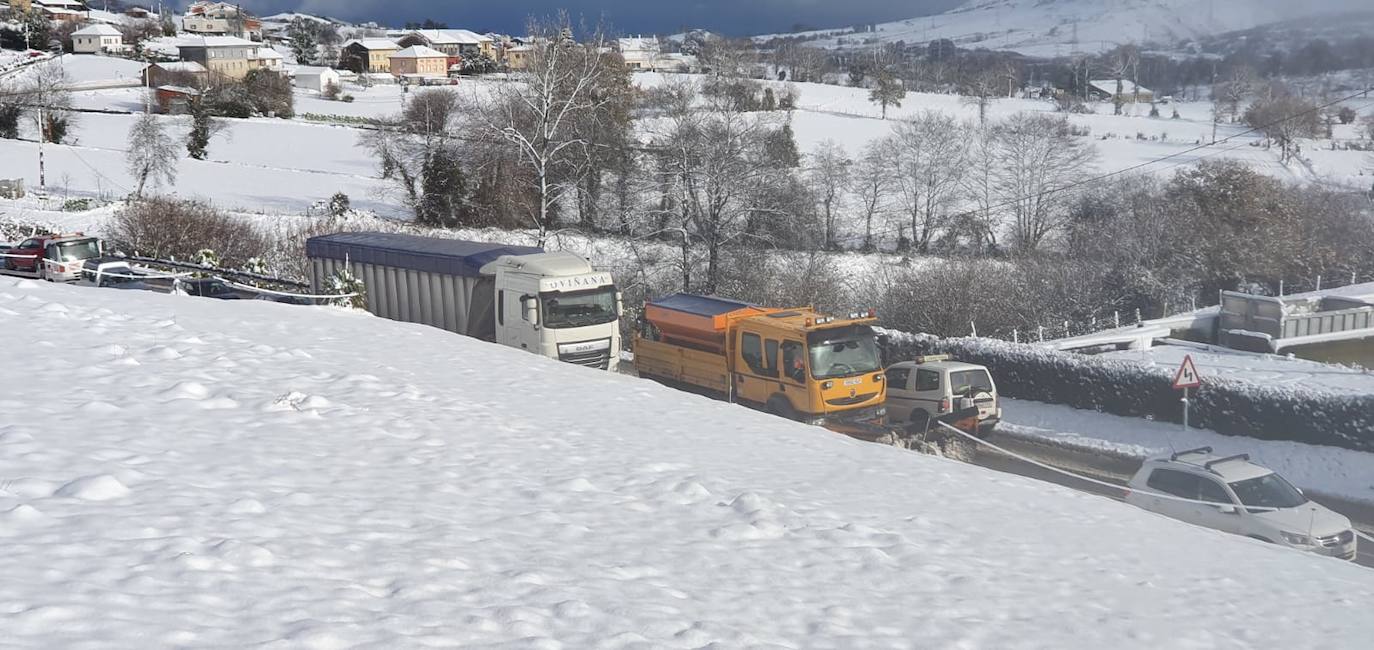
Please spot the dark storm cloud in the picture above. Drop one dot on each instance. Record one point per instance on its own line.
(738, 17)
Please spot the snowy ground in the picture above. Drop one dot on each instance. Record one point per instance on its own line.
(1338, 472)
(187, 472)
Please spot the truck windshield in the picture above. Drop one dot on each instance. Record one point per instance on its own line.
(843, 351)
(81, 249)
(579, 308)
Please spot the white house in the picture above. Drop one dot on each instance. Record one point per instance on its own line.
(270, 59)
(97, 38)
(645, 54)
(317, 79)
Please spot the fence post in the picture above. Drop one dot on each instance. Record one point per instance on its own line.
(1067, 332)
(1042, 333)
(1138, 319)
(1116, 316)
(1015, 336)
(1319, 283)
(973, 326)
(1354, 277)
(1281, 293)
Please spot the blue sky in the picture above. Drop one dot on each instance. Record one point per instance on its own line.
(736, 17)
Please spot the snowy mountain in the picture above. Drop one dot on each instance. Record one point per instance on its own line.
(1062, 27)
(185, 472)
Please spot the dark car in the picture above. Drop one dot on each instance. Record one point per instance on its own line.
(209, 288)
(288, 300)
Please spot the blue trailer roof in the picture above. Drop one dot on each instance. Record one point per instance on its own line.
(700, 305)
(429, 254)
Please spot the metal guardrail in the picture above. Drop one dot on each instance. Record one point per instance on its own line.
(217, 271)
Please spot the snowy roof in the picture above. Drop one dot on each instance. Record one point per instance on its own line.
(436, 36)
(446, 36)
(97, 30)
(182, 66)
(1109, 86)
(419, 52)
(215, 41)
(183, 90)
(372, 44)
(637, 44)
(69, 4)
(269, 53)
(313, 71)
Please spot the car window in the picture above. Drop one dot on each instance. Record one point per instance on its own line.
(1209, 490)
(1173, 482)
(927, 380)
(965, 381)
(898, 377)
(29, 243)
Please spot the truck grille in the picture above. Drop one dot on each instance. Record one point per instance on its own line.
(846, 401)
(599, 359)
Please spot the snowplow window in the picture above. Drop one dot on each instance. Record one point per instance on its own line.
(751, 350)
(794, 361)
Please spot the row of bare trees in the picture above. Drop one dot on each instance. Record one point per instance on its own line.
(937, 180)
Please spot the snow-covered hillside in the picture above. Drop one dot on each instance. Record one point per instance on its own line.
(1062, 27)
(196, 473)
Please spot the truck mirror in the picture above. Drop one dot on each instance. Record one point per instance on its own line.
(529, 307)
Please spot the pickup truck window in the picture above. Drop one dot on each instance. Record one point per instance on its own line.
(927, 380)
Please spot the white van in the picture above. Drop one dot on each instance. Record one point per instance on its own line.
(932, 386)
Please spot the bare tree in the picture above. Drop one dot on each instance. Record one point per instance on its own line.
(716, 173)
(538, 115)
(980, 186)
(888, 91)
(45, 93)
(981, 91)
(1283, 119)
(931, 152)
(870, 184)
(416, 151)
(829, 176)
(1040, 161)
(152, 154)
(1232, 91)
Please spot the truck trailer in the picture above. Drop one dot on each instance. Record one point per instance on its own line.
(795, 363)
(552, 304)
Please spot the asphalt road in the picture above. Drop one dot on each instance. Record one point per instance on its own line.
(1118, 471)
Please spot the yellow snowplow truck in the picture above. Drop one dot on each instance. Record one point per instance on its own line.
(795, 363)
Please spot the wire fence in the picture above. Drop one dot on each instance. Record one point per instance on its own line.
(1044, 332)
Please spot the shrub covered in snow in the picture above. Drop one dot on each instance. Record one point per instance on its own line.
(1124, 388)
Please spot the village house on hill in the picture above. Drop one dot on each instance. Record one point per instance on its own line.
(368, 55)
(94, 39)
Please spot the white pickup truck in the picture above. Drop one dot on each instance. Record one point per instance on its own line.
(933, 386)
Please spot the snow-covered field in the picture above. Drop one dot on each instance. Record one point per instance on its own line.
(1338, 472)
(195, 473)
(1054, 28)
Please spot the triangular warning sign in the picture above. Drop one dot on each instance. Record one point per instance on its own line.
(1187, 376)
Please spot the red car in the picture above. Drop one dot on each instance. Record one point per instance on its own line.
(29, 252)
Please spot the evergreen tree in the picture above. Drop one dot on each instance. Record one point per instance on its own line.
(305, 43)
(198, 140)
(888, 92)
(39, 29)
(781, 148)
(444, 199)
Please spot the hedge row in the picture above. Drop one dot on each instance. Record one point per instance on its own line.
(1124, 388)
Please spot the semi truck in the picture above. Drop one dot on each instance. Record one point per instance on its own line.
(795, 363)
(549, 303)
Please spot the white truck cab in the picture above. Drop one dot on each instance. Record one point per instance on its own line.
(931, 386)
(65, 256)
(559, 306)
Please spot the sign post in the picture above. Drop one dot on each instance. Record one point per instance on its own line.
(1187, 379)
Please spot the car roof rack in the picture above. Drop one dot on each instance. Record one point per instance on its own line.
(1200, 450)
(1208, 465)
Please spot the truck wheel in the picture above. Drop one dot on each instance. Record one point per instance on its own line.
(782, 408)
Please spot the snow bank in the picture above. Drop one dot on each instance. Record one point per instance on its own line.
(308, 477)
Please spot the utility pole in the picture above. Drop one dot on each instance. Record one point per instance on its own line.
(42, 136)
